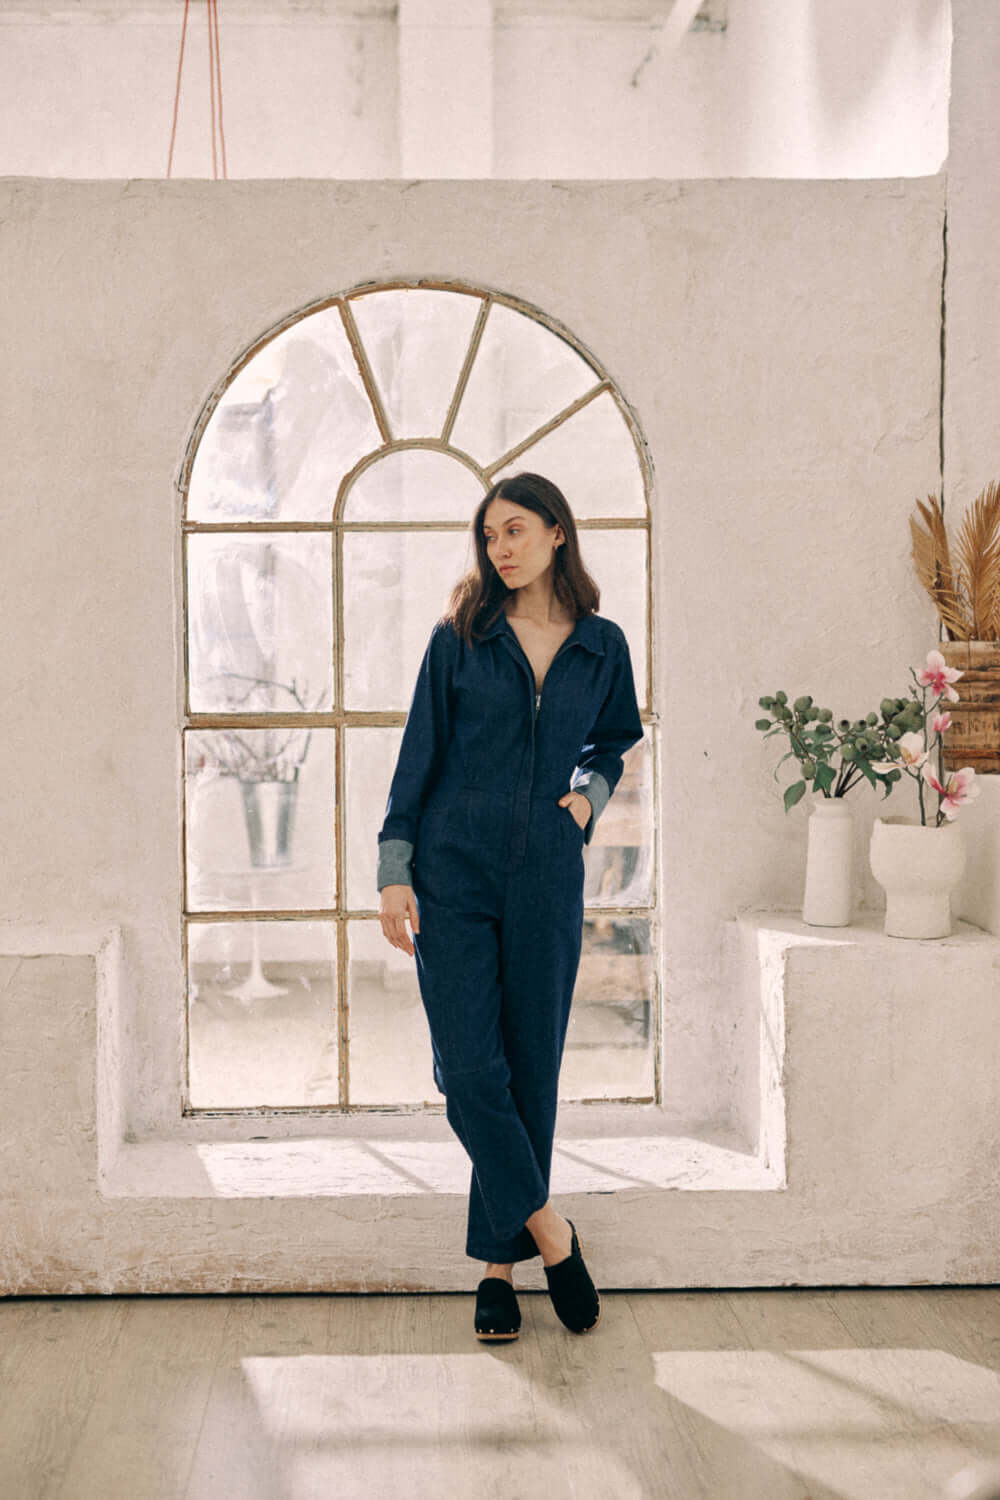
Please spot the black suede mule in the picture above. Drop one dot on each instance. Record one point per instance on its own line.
(574, 1295)
(498, 1316)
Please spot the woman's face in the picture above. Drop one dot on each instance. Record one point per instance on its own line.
(518, 543)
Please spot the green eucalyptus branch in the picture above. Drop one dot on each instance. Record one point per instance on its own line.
(856, 745)
(881, 750)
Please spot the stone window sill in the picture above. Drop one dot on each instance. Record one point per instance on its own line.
(599, 1149)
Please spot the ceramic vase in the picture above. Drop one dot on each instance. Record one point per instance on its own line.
(829, 888)
(918, 867)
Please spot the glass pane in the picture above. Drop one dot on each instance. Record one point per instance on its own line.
(262, 1014)
(416, 340)
(391, 1057)
(396, 584)
(260, 622)
(371, 760)
(260, 819)
(617, 562)
(523, 374)
(286, 430)
(609, 1042)
(414, 484)
(593, 460)
(618, 861)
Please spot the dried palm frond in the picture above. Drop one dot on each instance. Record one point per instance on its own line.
(932, 561)
(993, 616)
(979, 551)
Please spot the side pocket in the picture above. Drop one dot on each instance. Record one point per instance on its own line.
(575, 831)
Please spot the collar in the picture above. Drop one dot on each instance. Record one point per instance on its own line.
(587, 631)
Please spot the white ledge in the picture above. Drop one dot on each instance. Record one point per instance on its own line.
(388, 1161)
(599, 1148)
(866, 929)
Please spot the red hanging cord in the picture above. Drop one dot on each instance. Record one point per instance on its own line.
(211, 82)
(214, 84)
(177, 93)
(214, 6)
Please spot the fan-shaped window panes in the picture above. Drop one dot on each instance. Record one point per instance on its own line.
(415, 344)
(414, 484)
(294, 419)
(591, 456)
(523, 376)
(329, 490)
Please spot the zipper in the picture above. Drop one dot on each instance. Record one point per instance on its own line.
(528, 667)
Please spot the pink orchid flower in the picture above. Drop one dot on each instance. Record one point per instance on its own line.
(940, 723)
(912, 749)
(911, 753)
(958, 790)
(937, 675)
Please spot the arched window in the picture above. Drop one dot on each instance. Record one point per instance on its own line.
(328, 489)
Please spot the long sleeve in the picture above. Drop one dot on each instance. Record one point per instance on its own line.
(617, 728)
(425, 738)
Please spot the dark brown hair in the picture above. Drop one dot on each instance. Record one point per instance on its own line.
(477, 599)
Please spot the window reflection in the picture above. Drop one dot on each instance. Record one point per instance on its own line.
(260, 623)
(262, 1014)
(260, 819)
(609, 1041)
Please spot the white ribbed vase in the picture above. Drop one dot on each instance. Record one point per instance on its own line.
(829, 892)
(918, 867)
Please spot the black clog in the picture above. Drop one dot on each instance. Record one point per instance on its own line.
(574, 1296)
(498, 1316)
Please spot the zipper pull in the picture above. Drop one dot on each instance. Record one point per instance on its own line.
(538, 703)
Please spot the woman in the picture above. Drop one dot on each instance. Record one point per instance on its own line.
(523, 708)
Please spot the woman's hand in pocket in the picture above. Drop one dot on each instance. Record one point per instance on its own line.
(398, 903)
(579, 807)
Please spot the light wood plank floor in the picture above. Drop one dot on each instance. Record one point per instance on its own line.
(867, 1394)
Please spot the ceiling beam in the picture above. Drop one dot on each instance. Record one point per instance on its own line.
(678, 23)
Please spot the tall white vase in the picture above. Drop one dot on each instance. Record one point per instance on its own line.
(829, 891)
(918, 866)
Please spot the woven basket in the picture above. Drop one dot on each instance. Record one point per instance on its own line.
(974, 736)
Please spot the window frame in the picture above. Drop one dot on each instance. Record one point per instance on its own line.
(338, 717)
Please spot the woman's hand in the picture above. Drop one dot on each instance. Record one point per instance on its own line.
(579, 806)
(398, 903)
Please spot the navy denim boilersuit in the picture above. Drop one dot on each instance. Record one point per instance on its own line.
(473, 822)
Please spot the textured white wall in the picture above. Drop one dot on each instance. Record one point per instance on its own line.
(793, 88)
(91, 93)
(972, 308)
(890, 1105)
(779, 342)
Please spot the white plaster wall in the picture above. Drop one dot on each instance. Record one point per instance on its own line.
(790, 88)
(972, 308)
(888, 1102)
(779, 342)
(89, 92)
(971, 343)
(793, 88)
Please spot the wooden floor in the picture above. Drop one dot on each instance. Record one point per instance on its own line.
(870, 1394)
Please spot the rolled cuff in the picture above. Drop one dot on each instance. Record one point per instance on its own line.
(394, 856)
(597, 792)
